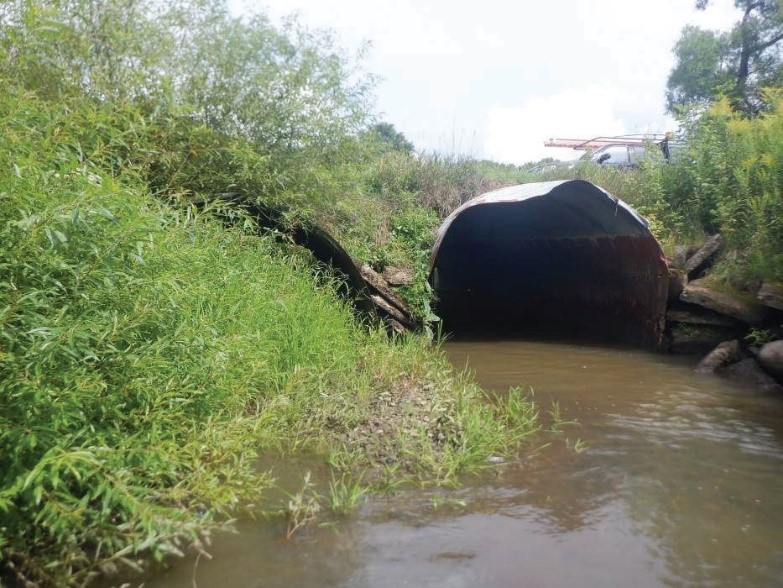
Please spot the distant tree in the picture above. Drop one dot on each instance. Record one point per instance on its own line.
(106, 49)
(702, 69)
(737, 64)
(543, 161)
(390, 136)
(282, 87)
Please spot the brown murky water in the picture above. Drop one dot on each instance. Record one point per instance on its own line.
(668, 480)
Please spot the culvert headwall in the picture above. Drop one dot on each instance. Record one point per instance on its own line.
(563, 257)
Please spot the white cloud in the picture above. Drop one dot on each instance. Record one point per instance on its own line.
(517, 134)
(486, 37)
(400, 28)
(498, 78)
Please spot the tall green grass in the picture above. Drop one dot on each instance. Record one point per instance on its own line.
(149, 353)
(136, 343)
(732, 182)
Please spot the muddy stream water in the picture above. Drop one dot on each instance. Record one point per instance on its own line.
(669, 479)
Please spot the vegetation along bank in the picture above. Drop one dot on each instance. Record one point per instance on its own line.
(150, 349)
(154, 342)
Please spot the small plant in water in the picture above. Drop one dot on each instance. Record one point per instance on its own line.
(344, 495)
(558, 421)
(578, 446)
(390, 479)
(302, 508)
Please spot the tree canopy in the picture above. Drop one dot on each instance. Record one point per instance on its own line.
(387, 134)
(280, 87)
(738, 63)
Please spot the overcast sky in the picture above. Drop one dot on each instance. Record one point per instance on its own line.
(494, 79)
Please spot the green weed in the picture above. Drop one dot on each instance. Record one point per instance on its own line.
(345, 493)
(148, 353)
(302, 507)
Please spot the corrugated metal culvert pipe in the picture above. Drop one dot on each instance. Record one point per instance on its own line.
(558, 257)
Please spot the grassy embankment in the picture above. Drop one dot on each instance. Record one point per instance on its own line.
(148, 354)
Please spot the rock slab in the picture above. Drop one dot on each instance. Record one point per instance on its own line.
(697, 293)
(681, 255)
(771, 358)
(699, 316)
(749, 371)
(700, 260)
(771, 295)
(677, 281)
(697, 339)
(398, 275)
(724, 354)
(387, 302)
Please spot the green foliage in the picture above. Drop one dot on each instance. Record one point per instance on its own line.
(390, 138)
(344, 494)
(137, 348)
(733, 173)
(445, 182)
(246, 98)
(302, 507)
(108, 50)
(760, 336)
(737, 64)
(438, 182)
(413, 233)
(700, 74)
(199, 103)
(147, 353)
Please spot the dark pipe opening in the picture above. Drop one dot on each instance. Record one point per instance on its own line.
(558, 258)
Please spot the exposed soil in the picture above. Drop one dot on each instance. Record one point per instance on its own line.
(411, 410)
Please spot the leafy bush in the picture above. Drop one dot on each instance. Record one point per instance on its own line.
(138, 345)
(731, 181)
